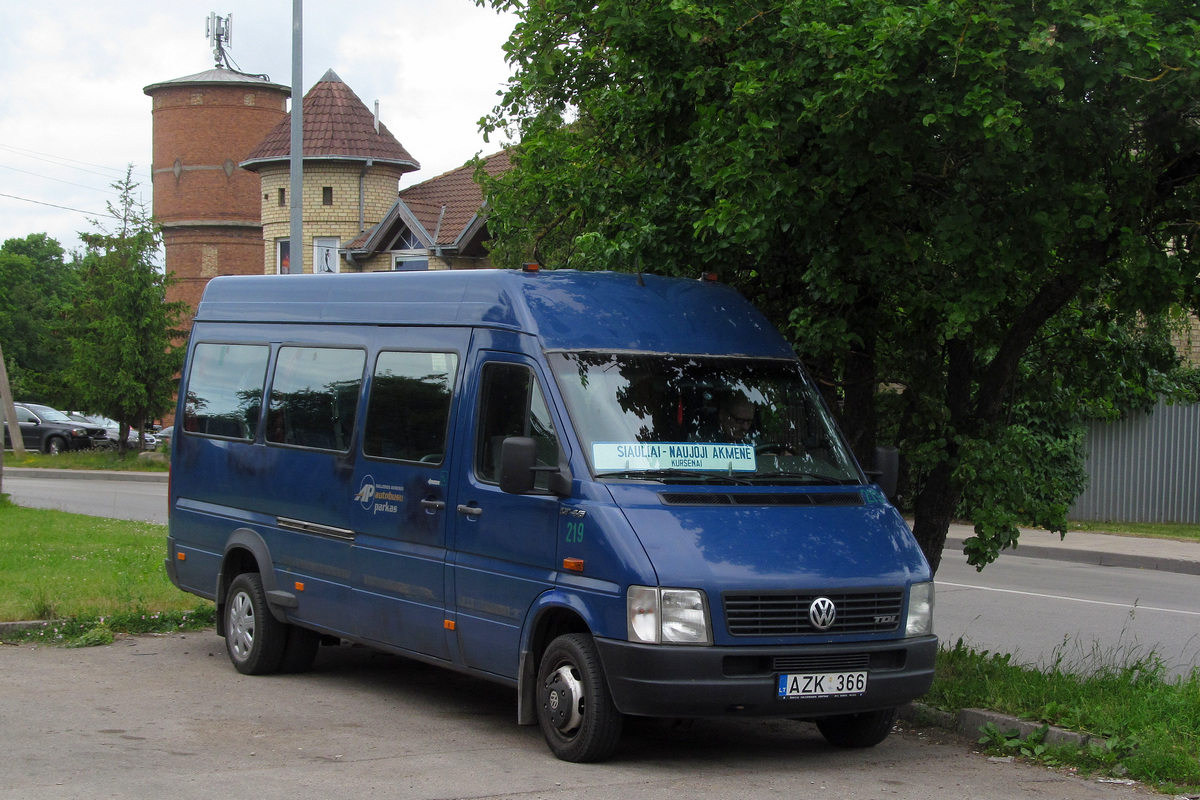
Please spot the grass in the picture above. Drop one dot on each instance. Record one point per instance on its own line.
(91, 459)
(55, 565)
(1155, 530)
(1146, 726)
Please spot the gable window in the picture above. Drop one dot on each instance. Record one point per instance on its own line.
(409, 253)
(410, 262)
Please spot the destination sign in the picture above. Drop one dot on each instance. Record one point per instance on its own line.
(609, 456)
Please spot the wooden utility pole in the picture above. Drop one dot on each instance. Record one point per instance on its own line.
(10, 417)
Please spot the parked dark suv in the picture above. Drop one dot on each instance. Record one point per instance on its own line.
(50, 431)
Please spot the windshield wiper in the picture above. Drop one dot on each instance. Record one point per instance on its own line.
(659, 474)
(811, 476)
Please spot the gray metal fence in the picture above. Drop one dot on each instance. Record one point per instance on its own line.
(1145, 468)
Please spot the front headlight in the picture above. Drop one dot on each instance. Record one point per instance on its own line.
(667, 616)
(920, 610)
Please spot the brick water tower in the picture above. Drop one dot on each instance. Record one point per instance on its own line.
(209, 208)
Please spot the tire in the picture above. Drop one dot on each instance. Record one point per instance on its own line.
(300, 651)
(55, 445)
(858, 730)
(254, 639)
(575, 708)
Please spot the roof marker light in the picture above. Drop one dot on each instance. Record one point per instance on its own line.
(532, 266)
(709, 277)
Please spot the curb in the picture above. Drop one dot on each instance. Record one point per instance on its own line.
(969, 722)
(1096, 558)
(86, 474)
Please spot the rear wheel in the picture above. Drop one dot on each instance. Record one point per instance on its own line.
(254, 639)
(858, 730)
(575, 709)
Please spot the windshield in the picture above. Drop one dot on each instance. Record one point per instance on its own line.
(701, 418)
(53, 415)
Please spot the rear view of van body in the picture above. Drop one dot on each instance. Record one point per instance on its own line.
(619, 494)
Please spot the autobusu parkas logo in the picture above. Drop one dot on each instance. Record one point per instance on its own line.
(376, 498)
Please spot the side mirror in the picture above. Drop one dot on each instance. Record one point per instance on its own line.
(518, 468)
(518, 457)
(887, 469)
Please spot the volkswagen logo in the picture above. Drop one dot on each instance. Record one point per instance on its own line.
(821, 613)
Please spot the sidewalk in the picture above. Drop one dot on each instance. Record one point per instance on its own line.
(1102, 549)
(85, 474)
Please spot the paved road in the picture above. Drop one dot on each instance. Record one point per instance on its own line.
(169, 717)
(142, 498)
(1085, 615)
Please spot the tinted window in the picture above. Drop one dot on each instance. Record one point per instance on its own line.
(409, 407)
(224, 395)
(512, 404)
(314, 397)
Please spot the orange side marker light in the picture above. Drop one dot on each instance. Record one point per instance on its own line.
(573, 564)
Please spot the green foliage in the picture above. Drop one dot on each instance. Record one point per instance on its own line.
(1140, 723)
(90, 630)
(989, 209)
(124, 335)
(37, 290)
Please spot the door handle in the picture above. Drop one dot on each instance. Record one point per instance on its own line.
(470, 511)
(433, 505)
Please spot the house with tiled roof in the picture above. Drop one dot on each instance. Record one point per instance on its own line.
(352, 169)
(438, 224)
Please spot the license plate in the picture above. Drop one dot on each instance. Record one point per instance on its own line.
(822, 684)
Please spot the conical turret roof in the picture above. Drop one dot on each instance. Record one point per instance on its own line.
(337, 127)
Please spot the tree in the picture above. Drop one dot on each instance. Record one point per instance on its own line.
(986, 207)
(37, 290)
(124, 334)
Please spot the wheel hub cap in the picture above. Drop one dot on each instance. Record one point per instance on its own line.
(563, 699)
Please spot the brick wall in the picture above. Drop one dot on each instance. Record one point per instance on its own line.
(341, 219)
(1188, 342)
(207, 204)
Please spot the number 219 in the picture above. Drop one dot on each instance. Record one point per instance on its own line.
(574, 532)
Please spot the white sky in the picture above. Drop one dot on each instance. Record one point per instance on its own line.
(73, 114)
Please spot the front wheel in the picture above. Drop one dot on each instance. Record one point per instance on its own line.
(254, 639)
(575, 709)
(55, 445)
(858, 730)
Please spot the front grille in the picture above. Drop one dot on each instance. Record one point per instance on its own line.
(779, 614)
(834, 662)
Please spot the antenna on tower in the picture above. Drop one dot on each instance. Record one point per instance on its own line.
(220, 34)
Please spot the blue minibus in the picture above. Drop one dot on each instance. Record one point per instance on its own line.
(619, 494)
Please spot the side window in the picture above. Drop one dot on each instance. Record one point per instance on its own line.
(409, 408)
(314, 397)
(512, 404)
(224, 393)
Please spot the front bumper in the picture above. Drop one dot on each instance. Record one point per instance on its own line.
(664, 681)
